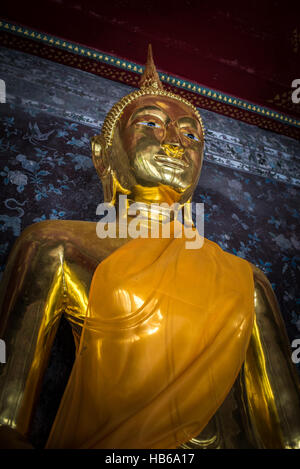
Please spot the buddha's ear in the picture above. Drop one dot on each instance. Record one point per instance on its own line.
(99, 155)
(101, 163)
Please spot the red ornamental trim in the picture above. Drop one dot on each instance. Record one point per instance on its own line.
(110, 72)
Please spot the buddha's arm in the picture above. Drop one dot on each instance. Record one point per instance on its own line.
(270, 385)
(31, 302)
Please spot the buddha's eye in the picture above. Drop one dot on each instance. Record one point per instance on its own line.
(192, 137)
(150, 124)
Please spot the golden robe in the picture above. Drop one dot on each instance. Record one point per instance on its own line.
(166, 333)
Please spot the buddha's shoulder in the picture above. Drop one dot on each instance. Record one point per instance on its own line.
(49, 234)
(219, 252)
(260, 278)
(258, 274)
(71, 236)
(55, 229)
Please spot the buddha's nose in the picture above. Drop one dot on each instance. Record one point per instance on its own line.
(173, 150)
(172, 145)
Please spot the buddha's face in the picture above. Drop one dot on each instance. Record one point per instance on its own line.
(163, 142)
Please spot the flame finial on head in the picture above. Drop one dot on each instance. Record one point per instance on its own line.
(150, 84)
(150, 78)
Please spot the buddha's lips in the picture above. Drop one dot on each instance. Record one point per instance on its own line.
(172, 161)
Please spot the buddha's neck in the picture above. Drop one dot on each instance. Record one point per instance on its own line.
(159, 204)
(155, 195)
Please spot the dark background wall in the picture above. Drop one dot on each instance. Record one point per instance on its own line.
(248, 49)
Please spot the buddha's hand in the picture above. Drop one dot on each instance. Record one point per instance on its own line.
(11, 439)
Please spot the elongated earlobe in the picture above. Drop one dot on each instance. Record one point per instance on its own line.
(99, 156)
(102, 167)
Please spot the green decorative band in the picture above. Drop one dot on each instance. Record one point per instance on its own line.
(135, 68)
(226, 98)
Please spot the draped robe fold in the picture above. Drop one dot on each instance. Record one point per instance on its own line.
(165, 336)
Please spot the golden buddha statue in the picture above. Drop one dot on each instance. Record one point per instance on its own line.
(174, 347)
